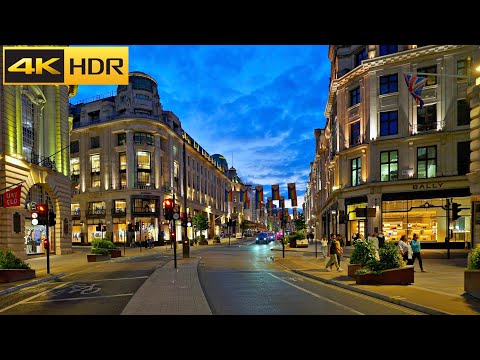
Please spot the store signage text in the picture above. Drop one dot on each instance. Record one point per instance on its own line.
(427, 186)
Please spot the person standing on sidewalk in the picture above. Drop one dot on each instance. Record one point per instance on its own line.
(403, 247)
(333, 249)
(324, 246)
(416, 249)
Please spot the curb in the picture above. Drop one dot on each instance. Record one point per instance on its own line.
(18, 287)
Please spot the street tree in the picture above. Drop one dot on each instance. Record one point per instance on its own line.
(300, 222)
(200, 221)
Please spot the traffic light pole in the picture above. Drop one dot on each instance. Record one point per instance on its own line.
(172, 226)
(448, 228)
(47, 249)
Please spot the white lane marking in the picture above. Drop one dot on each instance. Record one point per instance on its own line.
(129, 278)
(34, 296)
(316, 295)
(80, 298)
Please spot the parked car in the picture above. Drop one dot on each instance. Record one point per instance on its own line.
(262, 238)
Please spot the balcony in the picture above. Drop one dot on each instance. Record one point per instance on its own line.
(75, 178)
(144, 211)
(119, 212)
(428, 127)
(42, 161)
(76, 214)
(354, 141)
(97, 213)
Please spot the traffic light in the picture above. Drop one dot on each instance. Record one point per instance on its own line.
(51, 218)
(189, 221)
(456, 211)
(46, 244)
(168, 209)
(173, 236)
(42, 211)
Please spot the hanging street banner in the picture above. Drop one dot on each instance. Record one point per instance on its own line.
(276, 192)
(12, 197)
(292, 192)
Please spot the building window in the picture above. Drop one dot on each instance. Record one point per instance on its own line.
(96, 207)
(360, 56)
(463, 112)
(95, 170)
(355, 96)
(143, 168)
(143, 138)
(462, 68)
(356, 171)
(120, 206)
(427, 118)
(28, 127)
(94, 115)
(122, 160)
(176, 169)
(463, 157)
(427, 162)
(388, 123)
(142, 97)
(94, 142)
(388, 49)
(75, 168)
(389, 165)
(355, 137)
(388, 84)
(74, 147)
(174, 150)
(121, 139)
(432, 79)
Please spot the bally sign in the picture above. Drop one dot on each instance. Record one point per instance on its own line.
(12, 197)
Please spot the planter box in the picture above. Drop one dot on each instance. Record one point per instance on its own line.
(10, 275)
(352, 268)
(97, 257)
(114, 253)
(471, 282)
(203, 242)
(400, 276)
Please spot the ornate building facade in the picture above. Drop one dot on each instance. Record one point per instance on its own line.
(34, 154)
(385, 163)
(127, 156)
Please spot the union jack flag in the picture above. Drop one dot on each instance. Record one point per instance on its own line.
(415, 85)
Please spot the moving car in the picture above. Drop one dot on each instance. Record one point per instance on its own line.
(262, 238)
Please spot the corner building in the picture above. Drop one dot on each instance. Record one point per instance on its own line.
(127, 157)
(34, 153)
(379, 150)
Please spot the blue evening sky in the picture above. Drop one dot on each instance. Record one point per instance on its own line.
(257, 105)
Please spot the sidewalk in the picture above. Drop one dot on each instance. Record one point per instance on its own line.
(437, 291)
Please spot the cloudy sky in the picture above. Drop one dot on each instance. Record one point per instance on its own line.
(256, 105)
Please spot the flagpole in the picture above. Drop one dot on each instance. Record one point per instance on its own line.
(8, 187)
(436, 74)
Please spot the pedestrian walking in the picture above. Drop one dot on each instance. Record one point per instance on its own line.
(324, 246)
(403, 247)
(332, 253)
(339, 238)
(416, 249)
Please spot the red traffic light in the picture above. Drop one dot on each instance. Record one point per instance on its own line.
(45, 244)
(172, 235)
(167, 203)
(42, 208)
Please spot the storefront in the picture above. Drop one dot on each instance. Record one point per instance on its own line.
(355, 224)
(425, 213)
(34, 236)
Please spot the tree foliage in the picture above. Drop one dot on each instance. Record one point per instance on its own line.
(200, 221)
(300, 222)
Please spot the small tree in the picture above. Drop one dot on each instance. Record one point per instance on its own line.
(200, 221)
(300, 222)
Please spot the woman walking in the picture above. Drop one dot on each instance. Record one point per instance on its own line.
(416, 248)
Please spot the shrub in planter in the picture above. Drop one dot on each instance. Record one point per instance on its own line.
(103, 244)
(99, 251)
(474, 259)
(362, 252)
(8, 260)
(390, 258)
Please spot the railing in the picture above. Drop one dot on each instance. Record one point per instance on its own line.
(144, 211)
(76, 214)
(96, 213)
(430, 126)
(75, 177)
(354, 141)
(42, 161)
(119, 212)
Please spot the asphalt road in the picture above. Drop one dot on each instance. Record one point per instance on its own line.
(243, 280)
